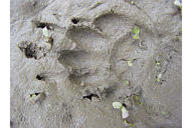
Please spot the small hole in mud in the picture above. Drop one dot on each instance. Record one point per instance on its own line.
(74, 20)
(37, 94)
(124, 105)
(40, 77)
(91, 96)
(43, 24)
(34, 94)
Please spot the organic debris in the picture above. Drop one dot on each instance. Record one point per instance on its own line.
(135, 33)
(96, 5)
(46, 34)
(124, 112)
(158, 63)
(128, 124)
(136, 99)
(37, 97)
(127, 83)
(158, 77)
(130, 61)
(117, 105)
(178, 4)
(130, 1)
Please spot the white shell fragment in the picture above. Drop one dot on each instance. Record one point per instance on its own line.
(117, 105)
(45, 32)
(125, 113)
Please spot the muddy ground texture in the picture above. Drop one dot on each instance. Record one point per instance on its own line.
(90, 60)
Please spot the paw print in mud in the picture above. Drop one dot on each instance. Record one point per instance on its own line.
(103, 49)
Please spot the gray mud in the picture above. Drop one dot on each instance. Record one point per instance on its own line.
(72, 80)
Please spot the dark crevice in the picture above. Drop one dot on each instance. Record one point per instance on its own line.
(90, 96)
(40, 77)
(29, 49)
(37, 94)
(30, 52)
(34, 94)
(124, 105)
(42, 25)
(50, 26)
(74, 20)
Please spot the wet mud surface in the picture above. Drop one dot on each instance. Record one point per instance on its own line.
(90, 59)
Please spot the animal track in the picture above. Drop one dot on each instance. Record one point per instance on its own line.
(96, 54)
(91, 61)
(96, 59)
(87, 65)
